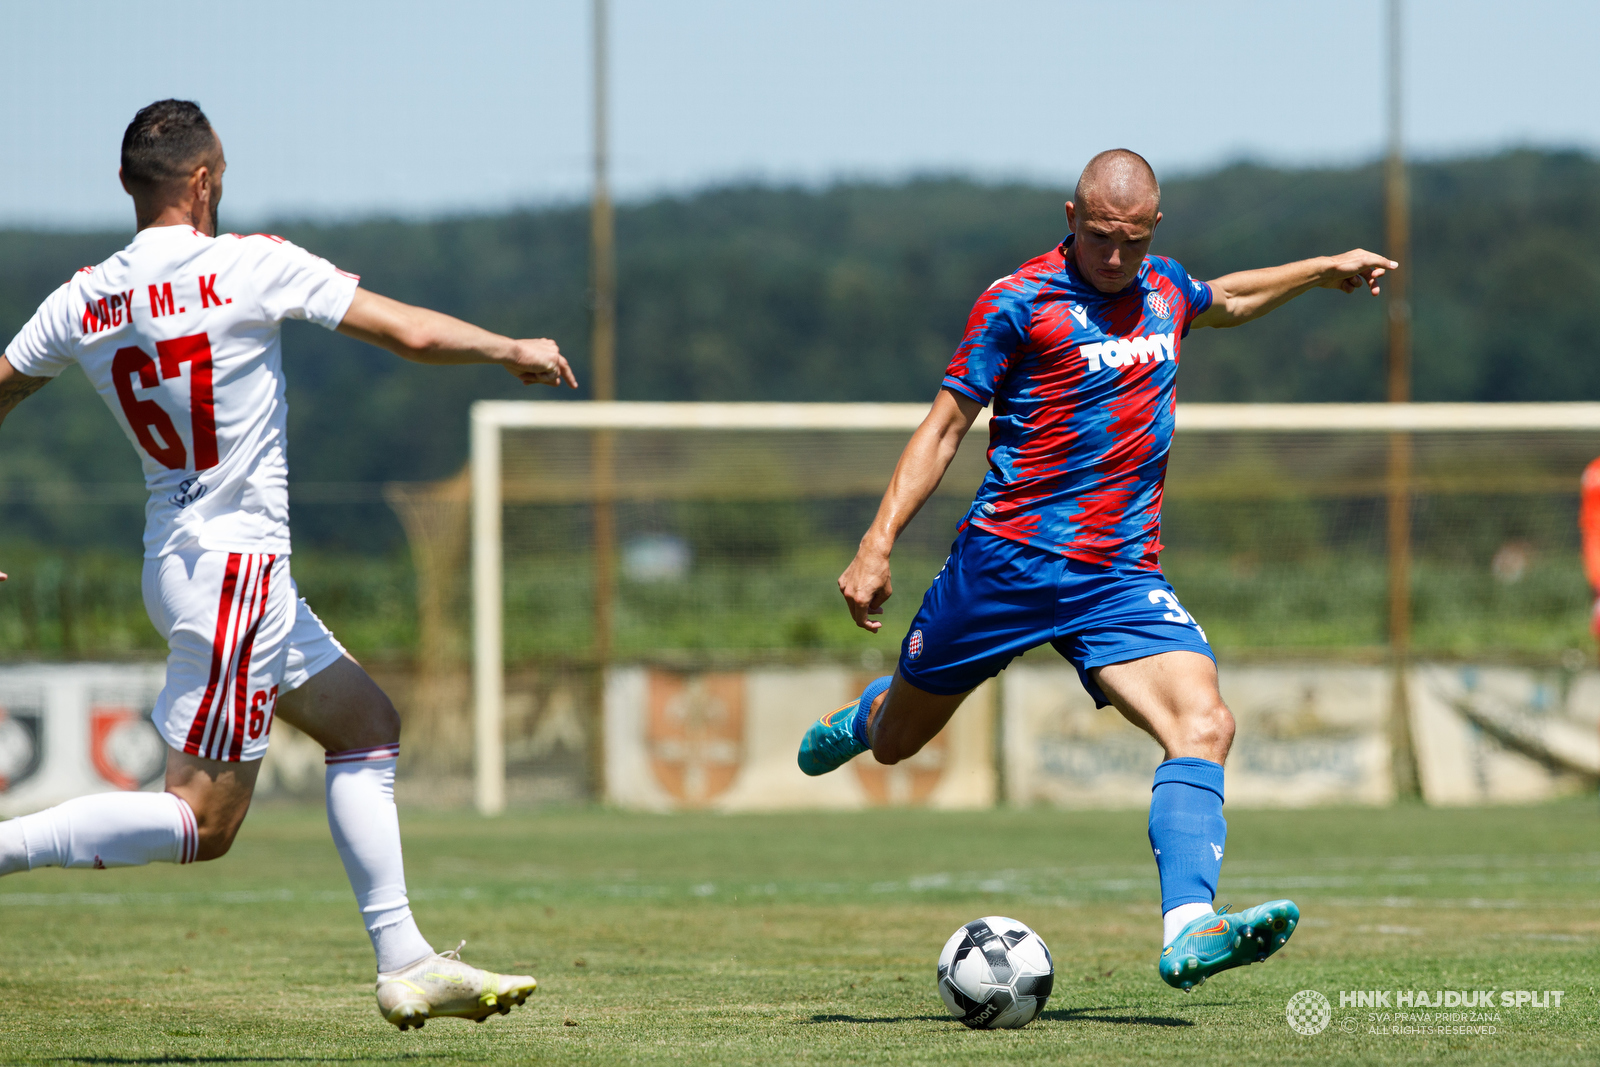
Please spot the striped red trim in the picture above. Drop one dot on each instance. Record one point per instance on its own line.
(218, 723)
(219, 647)
(189, 847)
(363, 755)
(241, 686)
(218, 730)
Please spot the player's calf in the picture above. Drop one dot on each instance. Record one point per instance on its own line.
(342, 708)
(196, 818)
(892, 719)
(100, 831)
(908, 719)
(217, 792)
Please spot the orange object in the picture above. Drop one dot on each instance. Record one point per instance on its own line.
(103, 722)
(1589, 527)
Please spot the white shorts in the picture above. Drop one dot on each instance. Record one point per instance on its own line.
(239, 636)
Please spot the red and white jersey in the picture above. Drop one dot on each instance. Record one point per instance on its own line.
(179, 332)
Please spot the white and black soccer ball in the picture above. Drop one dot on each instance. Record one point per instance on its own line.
(995, 974)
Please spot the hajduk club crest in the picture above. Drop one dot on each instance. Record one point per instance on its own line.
(1158, 304)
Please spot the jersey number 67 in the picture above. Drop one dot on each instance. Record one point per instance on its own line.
(149, 419)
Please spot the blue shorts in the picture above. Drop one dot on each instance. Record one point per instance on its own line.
(997, 598)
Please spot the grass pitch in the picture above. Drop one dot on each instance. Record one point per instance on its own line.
(810, 939)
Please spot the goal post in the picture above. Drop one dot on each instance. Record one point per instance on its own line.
(488, 655)
(491, 418)
(1310, 472)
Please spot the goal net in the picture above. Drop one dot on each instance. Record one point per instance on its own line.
(709, 537)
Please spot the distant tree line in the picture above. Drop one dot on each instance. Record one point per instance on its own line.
(854, 292)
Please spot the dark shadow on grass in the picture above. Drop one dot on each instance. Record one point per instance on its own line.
(153, 1061)
(880, 1019)
(1068, 1015)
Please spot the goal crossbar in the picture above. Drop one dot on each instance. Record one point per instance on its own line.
(491, 417)
(1191, 418)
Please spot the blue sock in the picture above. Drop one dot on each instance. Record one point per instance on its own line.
(1187, 830)
(858, 722)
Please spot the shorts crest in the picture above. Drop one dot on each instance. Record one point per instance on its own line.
(914, 645)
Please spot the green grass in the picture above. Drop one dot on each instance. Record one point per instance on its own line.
(806, 938)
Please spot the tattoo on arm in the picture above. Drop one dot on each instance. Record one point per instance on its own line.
(17, 388)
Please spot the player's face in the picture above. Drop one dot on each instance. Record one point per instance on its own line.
(1111, 241)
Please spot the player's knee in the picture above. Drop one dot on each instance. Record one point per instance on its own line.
(213, 846)
(215, 835)
(887, 754)
(371, 719)
(889, 749)
(885, 747)
(1211, 729)
(382, 718)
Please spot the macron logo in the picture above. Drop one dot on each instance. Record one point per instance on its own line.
(1121, 352)
(1080, 314)
(1217, 850)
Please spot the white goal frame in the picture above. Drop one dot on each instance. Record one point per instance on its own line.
(491, 417)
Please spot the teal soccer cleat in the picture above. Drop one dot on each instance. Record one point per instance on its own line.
(1217, 942)
(832, 742)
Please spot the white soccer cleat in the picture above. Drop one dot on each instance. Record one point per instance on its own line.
(442, 985)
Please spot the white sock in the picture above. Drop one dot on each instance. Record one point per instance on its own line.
(13, 848)
(1173, 922)
(366, 831)
(103, 830)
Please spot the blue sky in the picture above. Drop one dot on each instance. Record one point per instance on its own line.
(336, 108)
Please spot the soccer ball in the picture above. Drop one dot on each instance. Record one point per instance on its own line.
(995, 974)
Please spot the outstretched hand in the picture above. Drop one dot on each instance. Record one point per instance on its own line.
(1355, 269)
(866, 586)
(539, 361)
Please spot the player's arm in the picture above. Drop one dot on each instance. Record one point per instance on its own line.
(14, 389)
(865, 583)
(1249, 294)
(424, 336)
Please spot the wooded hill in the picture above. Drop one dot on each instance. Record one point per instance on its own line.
(859, 292)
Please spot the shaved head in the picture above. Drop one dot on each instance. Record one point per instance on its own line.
(1113, 215)
(1119, 180)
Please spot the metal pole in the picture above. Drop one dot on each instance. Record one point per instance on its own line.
(488, 653)
(602, 352)
(1398, 226)
(602, 268)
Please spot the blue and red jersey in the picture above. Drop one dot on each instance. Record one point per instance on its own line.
(1083, 385)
